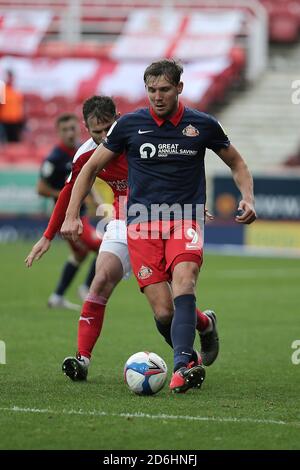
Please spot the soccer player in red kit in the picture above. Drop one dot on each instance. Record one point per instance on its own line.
(165, 148)
(113, 262)
(99, 113)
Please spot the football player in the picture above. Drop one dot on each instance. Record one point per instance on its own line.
(165, 147)
(113, 262)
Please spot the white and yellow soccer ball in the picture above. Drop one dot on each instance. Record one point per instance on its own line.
(145, 373)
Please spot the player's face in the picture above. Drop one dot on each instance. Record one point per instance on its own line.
(163, 95)
(69, 132)
(98, 129)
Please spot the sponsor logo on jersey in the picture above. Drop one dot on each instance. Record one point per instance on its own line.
(190, 131)
(144, 272)
(118, 185)
(167, 149)
(143, 132)
(147, 150)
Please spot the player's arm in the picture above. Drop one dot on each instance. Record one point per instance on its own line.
(44, 189)
(54, 224)
(94, 198)
(243, 180)
(57, 216)
(72, 226)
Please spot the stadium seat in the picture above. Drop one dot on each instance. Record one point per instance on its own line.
(284, 19)
(284, 27)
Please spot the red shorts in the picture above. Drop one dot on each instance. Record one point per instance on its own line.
(156, 247)
(88, 241)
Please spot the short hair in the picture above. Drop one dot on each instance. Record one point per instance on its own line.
(101, 107)
(169, 68)
(65, 117)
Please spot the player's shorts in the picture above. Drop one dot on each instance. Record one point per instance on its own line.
(161, 246)
(115, 241)
(88, 241)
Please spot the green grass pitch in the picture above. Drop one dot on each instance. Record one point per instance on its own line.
(251, 396)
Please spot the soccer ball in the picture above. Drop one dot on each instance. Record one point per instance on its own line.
(145, 373)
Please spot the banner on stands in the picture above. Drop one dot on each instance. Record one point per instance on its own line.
(276, 197)
(18, 193)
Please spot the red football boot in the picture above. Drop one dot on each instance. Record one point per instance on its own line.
(184, 378)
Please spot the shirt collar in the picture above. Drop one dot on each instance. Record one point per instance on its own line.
(175, 120)
(69, 150)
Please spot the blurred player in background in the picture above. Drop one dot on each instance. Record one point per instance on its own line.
(53, 174)
(113, 262)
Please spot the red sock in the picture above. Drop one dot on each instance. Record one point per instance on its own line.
(202, 320)
(90, 323)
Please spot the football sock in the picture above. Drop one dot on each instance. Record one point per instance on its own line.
(68, 273)
(203, 321)
(91, 274)
(165, 331)
(183, 329)
(90, 323)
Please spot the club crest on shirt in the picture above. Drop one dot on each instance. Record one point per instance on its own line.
(190, 131)
(144, 272)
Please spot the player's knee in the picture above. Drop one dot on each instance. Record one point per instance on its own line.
(79, 257)
(163, 311)
(184, 279)
(164, 316)
(184, 286)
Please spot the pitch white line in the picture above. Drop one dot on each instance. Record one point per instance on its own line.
(96, 413)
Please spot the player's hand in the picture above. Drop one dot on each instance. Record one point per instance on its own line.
(246, 213)
(71, 229)
(208, 215)
(37, 251)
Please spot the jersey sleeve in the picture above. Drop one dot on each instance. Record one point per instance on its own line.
(218, 138)
(59, 212)
(116, 139)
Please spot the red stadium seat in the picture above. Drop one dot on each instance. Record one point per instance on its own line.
(284, 26)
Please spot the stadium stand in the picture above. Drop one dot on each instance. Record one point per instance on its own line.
(107, 17)
(85, 47)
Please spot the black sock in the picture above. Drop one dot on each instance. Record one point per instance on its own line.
(165, 331)
(67, 276)
(183, 329)
(91, 273)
